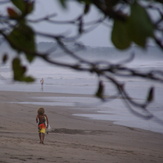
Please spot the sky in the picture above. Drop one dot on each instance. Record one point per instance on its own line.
(97, 37)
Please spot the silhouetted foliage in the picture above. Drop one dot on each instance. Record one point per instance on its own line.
(132, 24)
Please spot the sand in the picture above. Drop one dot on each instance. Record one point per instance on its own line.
(72, 139)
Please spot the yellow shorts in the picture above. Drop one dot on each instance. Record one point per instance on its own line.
(42, 128)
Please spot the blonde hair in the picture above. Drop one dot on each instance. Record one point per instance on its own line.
(41, 111)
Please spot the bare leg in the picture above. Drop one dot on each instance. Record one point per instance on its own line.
(40, 137)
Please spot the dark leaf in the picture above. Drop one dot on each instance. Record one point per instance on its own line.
(19, 71)
(80, 27)
(139, 24)
(20, 4)
(111, 3)
(12, 13)
(5, 58)
(86, 8)
(85, 1)
(100, 90)
(63, 3)
(150, 96)
(119, 35)
(22, 39)
(29, 7)
(160, 1)
(28, 79)
(25, 7)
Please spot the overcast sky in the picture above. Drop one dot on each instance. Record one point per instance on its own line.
(98, 37)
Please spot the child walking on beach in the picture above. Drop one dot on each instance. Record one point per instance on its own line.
(43, 123)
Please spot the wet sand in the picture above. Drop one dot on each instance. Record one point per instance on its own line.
(72, 139)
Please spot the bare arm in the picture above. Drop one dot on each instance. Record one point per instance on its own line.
(37, 119)
(47, 120)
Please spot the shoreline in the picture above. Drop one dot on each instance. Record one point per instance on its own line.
(72, 139)
(92, 108)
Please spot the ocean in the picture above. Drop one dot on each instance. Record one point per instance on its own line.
(61, 80)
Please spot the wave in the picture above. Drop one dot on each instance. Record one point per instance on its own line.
(150, 57)
(102, 53)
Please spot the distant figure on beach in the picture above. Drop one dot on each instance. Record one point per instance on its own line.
(43, 123)
(42, 83)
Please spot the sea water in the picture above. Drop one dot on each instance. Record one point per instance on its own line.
(62, 80)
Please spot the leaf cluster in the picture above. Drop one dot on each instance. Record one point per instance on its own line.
(21, 36)
(19, 71)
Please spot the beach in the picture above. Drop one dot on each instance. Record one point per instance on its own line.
(73, 139)
(84, 129)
